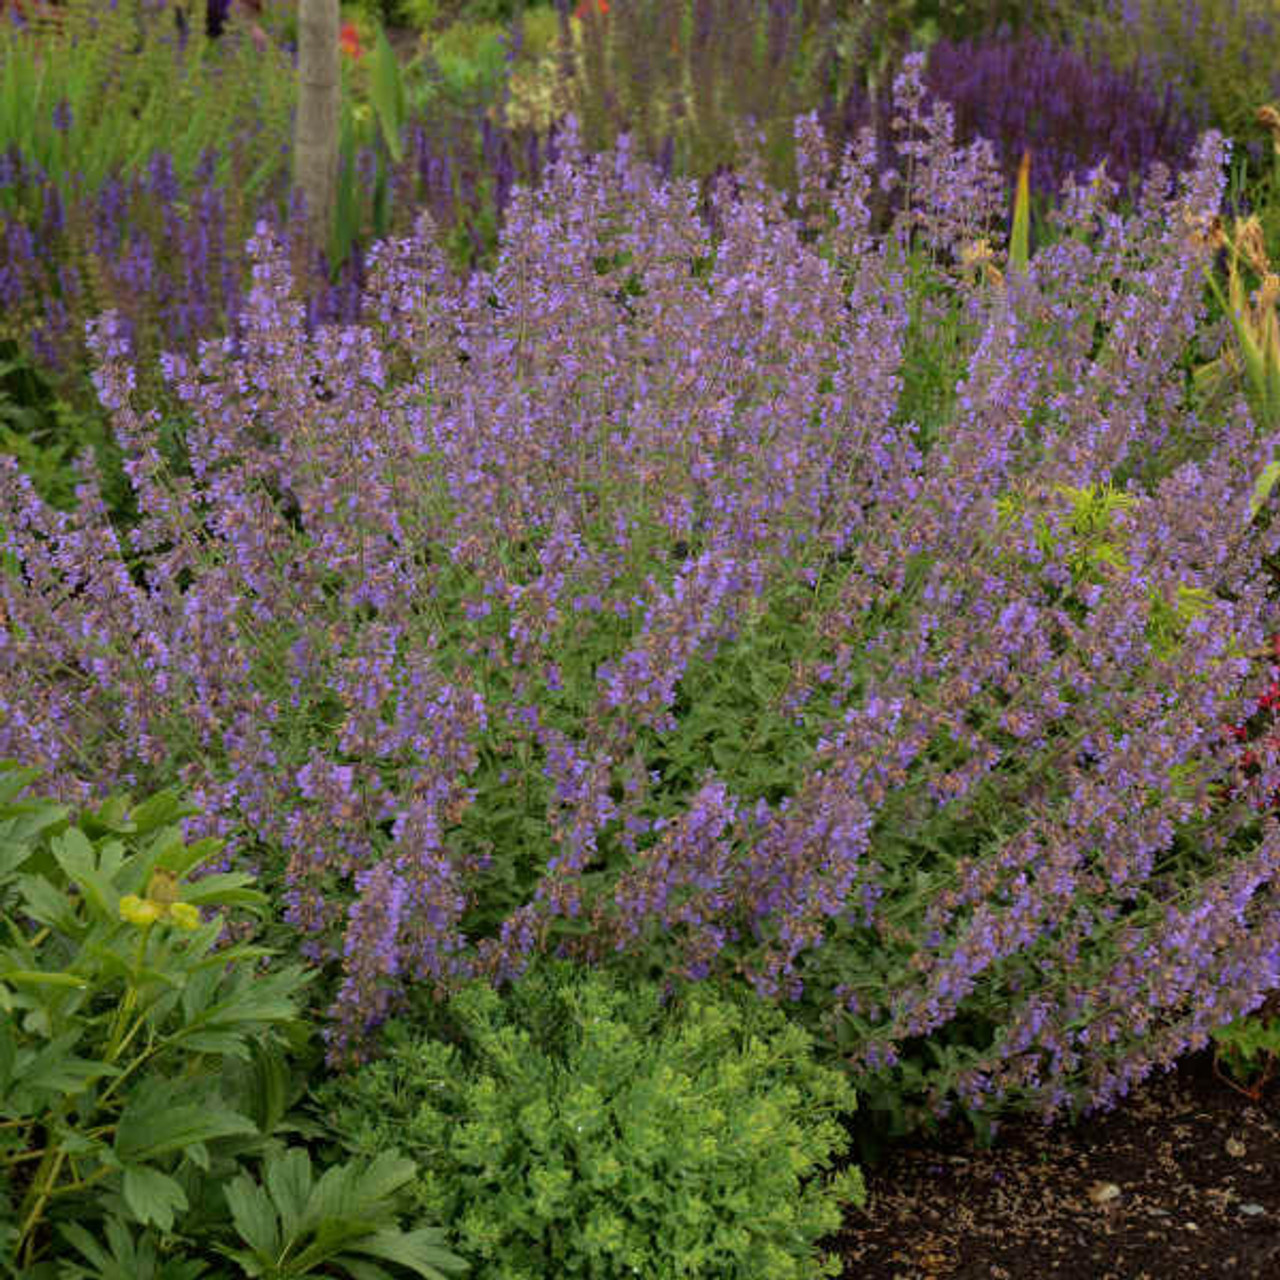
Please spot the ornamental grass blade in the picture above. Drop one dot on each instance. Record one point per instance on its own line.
(388, 95)
(346, 224)
(1262, 490)
(1269, 392)
(1020, 236)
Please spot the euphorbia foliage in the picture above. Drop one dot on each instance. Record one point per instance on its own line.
(608, 602)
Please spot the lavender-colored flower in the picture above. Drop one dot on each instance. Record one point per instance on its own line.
(450, 605)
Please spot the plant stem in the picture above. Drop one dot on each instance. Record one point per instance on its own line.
(37, 1197)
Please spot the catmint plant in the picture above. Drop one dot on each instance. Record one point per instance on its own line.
(607, 603)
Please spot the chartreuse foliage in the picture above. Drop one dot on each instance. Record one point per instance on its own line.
(1092, 542)
(579, 1128)
(143, 1057)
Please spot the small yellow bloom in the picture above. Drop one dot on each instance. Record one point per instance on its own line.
(185, 915)
(161, 903)
(139, 911)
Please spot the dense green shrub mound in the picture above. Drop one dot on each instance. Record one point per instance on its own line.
(577, 1128)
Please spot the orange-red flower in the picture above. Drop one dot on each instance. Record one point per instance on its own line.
(602, 6)
(349, 39)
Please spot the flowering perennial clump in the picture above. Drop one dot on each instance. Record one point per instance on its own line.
(607, 603)
(1071, 108)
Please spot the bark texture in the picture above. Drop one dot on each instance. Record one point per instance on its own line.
(315, 149)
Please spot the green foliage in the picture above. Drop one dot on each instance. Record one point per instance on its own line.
(1249, 1049)
(1095, 539)
(123, 1015)
(377, 125)
(499, 11)
(576, 1128)
(464, 64)
(287, 1226)
(422, 15)
(143, 1060)
(26, 432)
(129, 89)
(940, 336)
(1093, 545)
(297, 1226)
(45, 434)
(122, 1256)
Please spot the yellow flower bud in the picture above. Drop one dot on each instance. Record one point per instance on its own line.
(139, 911)
(185, 915)
(163, 887)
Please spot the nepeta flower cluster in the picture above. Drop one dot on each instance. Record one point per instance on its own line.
(606, 603)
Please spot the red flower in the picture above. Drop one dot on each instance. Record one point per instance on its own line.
(349, 39)
(602, 6)
(1268, 702)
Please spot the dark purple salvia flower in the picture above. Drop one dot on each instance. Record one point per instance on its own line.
(55, 218)
(1218, 59)
(1069, 109)
(62, 116)
(216, 13)
(666, 155)
(163, 182)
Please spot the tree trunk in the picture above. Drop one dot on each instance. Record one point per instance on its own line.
(315, 150)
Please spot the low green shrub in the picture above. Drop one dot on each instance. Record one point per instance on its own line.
(576, 1128)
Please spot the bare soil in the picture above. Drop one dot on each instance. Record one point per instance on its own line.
(1182, 1179)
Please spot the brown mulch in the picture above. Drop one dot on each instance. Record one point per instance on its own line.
(1182, 1179)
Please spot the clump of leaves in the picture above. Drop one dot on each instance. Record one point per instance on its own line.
(121, 1010)
(1247, 1051)
(143, 1057)
(290, 1225)
(576, 1127)
(295, 1224)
